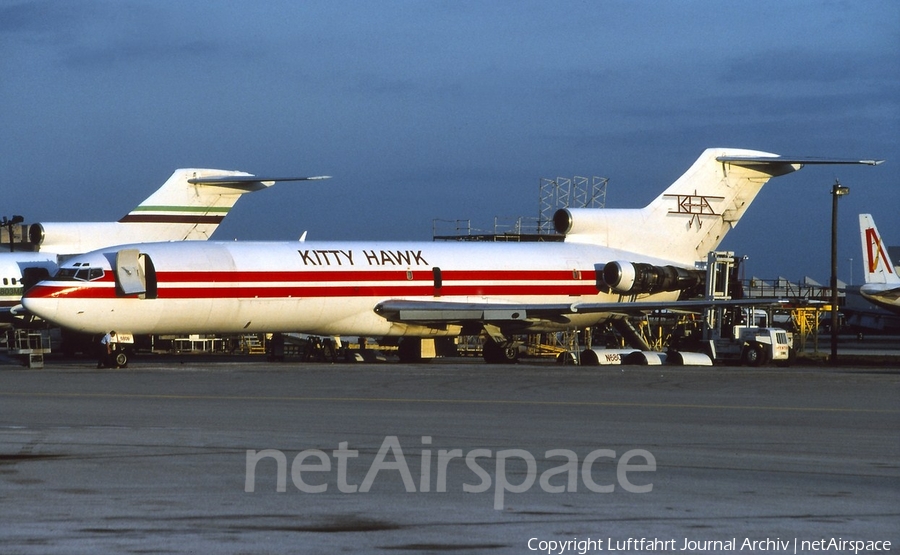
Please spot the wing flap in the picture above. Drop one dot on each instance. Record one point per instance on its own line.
(445, 312)
(436, 311)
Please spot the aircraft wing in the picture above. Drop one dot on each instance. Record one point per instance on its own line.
(443, 312)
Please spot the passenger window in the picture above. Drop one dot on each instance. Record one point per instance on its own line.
(5, 281)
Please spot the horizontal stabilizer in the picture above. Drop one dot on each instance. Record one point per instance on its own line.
(249, 179)
(755, 160)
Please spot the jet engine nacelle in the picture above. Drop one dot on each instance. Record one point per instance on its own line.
(637, 277)
(590, 221)
(36, 234)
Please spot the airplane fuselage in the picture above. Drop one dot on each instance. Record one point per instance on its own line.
(12, 270)
(882, 295)
(324, 288)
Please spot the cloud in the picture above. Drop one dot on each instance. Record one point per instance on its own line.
(106, 35)
(812, 67)
(42, 19)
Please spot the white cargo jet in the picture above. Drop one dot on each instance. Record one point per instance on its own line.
(613, 262)
(190, 205)
(882, 285)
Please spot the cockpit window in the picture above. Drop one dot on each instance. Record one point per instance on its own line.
(81, 272)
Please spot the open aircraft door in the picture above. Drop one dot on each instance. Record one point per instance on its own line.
(135, 274)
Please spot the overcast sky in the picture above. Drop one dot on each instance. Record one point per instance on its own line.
(451, 110)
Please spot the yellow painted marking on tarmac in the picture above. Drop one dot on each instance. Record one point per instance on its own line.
(445, 401)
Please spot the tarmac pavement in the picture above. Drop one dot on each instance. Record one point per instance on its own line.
(182, 455)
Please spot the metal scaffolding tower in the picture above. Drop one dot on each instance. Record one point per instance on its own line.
(564, 192)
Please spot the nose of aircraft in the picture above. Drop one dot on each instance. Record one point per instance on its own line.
(45, 307)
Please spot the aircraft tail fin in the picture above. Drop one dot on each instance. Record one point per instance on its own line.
(691, 217)
(193, 202)
(878, 267)
(189, 206)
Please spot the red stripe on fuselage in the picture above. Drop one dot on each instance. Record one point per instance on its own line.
(70, 291)
(412, 290)
(387, 290)
(307, 276)
(311, 284)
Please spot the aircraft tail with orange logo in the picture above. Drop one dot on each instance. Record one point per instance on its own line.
(878, 266)
(882, 285)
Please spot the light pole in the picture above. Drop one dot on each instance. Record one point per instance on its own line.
(837, 190)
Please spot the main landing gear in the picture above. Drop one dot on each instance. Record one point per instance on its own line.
(409, 350)
(495, 352)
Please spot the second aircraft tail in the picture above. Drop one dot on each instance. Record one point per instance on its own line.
(193, 202)
(190, 205)
(878, 267)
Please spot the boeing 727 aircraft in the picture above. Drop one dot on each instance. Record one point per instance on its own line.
(190, 205)
(613, 262)
(882, 285)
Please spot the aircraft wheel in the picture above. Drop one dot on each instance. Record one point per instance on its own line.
(121, 360)
(495, 353)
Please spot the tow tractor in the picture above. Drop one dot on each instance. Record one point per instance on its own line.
(740, 335)
(753, 346)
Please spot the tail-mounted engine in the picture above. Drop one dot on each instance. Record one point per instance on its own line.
(579, 221)
(17, 236)
(36, 234)
(636, 277)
